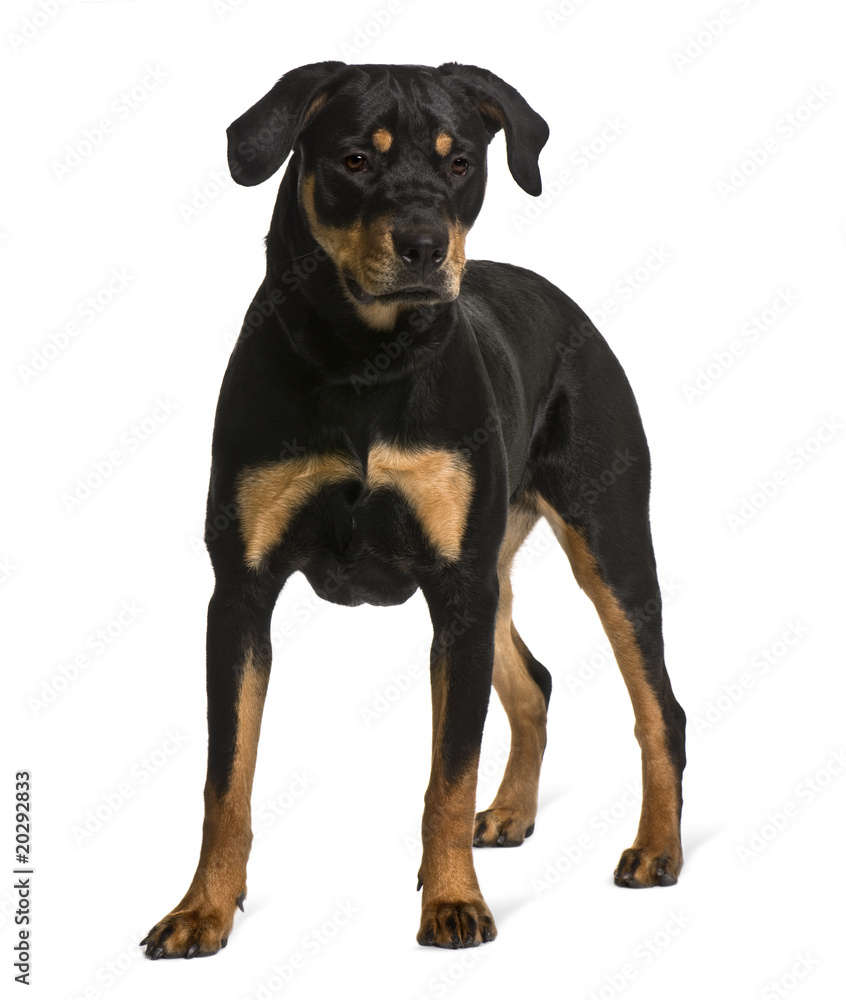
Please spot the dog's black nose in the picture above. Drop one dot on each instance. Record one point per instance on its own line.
(422, 250)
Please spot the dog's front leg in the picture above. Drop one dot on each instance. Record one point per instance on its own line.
(454, 913)
(237, 672)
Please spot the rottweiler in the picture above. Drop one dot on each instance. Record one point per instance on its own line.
(396, 417)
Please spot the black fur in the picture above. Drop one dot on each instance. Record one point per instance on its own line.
(511, 374)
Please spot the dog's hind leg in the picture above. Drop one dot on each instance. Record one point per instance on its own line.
(609, 546)
(523, 686)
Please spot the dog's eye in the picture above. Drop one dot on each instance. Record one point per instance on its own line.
(460, 166)
(356, 162)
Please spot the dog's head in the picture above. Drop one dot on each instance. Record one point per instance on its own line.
(392, 169)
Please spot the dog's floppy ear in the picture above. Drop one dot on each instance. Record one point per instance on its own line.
(502, 107)
(260, 140)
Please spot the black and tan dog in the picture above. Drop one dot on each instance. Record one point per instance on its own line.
(393, 417)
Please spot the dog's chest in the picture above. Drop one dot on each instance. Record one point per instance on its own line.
(339, 501)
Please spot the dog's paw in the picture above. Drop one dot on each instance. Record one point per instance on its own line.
(499, 828)
(640, 867)
(199, 931)
(456, 925)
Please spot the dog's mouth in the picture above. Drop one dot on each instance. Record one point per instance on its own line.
(419, 294)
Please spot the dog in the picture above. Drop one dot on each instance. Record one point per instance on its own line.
(395, 417)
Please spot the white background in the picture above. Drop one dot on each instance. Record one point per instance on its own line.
(124, 737)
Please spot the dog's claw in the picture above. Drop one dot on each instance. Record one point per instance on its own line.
(240, 901)
(456, 925)
(192, 951)
(635, 869)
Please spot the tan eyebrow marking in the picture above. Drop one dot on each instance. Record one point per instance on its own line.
(382, 140)
(443, 143)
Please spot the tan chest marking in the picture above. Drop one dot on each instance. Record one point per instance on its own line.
(270, 495)
(437, 485)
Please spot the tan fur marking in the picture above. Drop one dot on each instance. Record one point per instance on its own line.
(437, 484)
(660, 811)
(224, 854)
(443, 143)
(382, 140)
(205, 914)
(447, 869)
(379, 315)
(314, 107)
(492, 111)
(455, 259)
(270, 495)
(340, 243)
(451, 894)
(368, 254)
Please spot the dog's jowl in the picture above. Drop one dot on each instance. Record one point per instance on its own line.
(372, 354)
